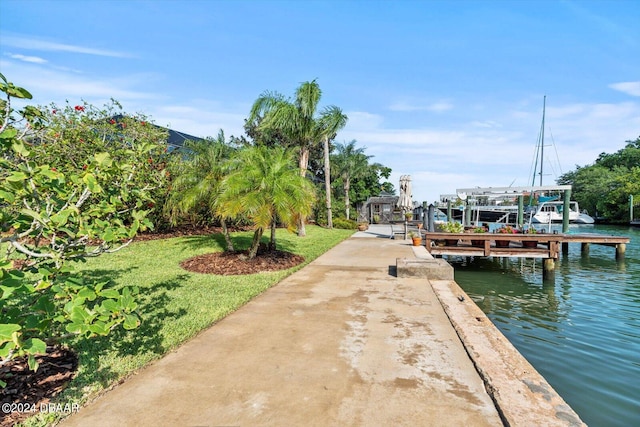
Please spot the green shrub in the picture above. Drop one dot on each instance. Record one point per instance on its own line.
(345, 224)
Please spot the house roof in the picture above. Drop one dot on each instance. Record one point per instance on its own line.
(176, 139)
(383, 200)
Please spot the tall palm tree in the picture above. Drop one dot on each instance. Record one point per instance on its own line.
(330, 122)
(350, 162)
(296, 119)
(197, 176)
(265, 186)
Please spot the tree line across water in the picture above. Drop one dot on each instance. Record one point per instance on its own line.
(604, 187)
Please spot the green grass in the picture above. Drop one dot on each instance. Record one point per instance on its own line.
(174, 304)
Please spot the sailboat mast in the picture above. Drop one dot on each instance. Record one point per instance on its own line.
(544, 104)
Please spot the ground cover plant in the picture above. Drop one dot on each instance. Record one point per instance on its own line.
(173, 303)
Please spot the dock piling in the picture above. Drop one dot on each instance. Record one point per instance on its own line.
(548, 269)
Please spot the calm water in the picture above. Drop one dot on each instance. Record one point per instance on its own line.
(581, 331)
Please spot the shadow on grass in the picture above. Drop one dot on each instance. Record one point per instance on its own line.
(103, 275)
(240, 242)
(214, 242)
(146, 339)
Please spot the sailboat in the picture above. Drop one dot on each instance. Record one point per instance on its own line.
(495, 204)
(550, 208)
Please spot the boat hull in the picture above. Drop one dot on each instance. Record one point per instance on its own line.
(552, 212)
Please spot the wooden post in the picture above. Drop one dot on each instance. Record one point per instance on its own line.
(467, 215)
(621, 248)
(429, 223)
(548, 266)
(520, 210)
(449, 216)
(565, 247)
(565, 211)
(585, 248)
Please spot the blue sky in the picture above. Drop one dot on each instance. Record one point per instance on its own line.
(449, 92)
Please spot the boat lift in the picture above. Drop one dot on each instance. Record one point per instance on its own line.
(520, 192)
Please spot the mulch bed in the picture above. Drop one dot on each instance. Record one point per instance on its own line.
(27, 392)
(234, 263)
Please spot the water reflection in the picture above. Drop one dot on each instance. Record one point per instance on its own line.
(507, 286)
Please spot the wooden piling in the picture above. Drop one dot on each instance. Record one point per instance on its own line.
(548, 268)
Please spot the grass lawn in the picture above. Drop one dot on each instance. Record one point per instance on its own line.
(174, 304)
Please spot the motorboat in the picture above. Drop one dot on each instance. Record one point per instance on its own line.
(550, 212)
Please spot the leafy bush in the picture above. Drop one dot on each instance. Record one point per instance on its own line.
(59, 195)
(452, 227)
(345, 224)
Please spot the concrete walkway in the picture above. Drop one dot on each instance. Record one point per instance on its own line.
(342, 342)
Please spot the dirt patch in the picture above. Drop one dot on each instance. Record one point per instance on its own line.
(234, 263)
(27, 391)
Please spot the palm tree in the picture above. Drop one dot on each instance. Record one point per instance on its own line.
(331, 121)
(265, 186)
(350, 162)
(296, 119)
(196, 180)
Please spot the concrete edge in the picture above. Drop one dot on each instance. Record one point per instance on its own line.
(424, 265)
(522, 396)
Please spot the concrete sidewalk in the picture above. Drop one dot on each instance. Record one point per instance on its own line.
(340, 342)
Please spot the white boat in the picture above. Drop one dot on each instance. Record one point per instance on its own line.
(550, 212)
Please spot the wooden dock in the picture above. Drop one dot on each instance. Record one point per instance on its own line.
(542, 245)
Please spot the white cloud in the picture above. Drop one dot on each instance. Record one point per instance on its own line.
(439, 107)
(409, 107)
(473, 147)
(54, 85)
(44, 45)
(630, 88)
(497, 150)
(200, 118)
(488, 124)
(196, 116)
(32, 59)
(363, 120)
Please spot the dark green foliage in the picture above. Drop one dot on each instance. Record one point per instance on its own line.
(74, 184)
(345, 224)
(604, 187)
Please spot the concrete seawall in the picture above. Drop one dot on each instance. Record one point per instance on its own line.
(522, 396)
